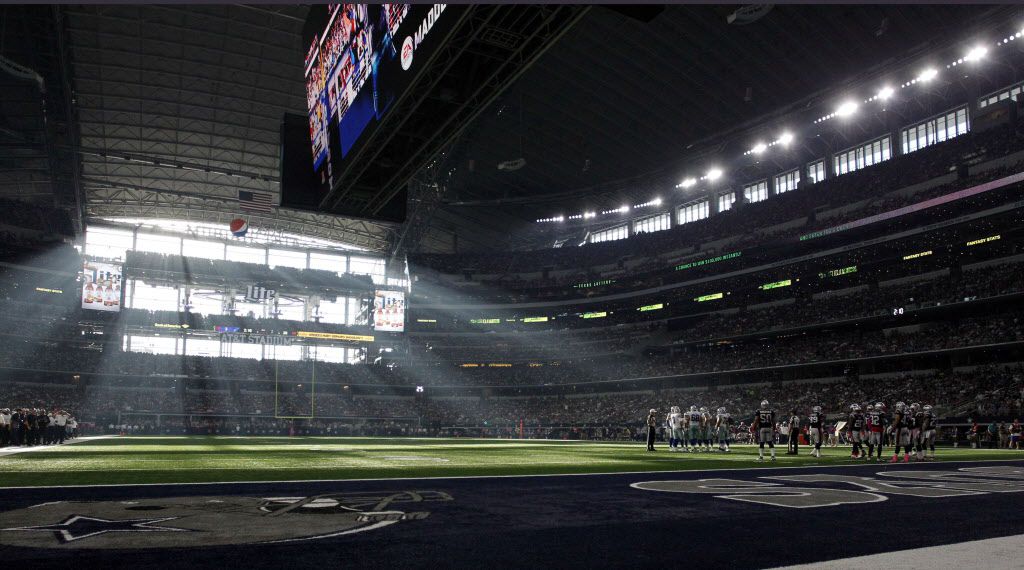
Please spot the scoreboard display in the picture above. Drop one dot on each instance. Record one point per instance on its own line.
(360, 59)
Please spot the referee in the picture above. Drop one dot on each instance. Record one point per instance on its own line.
(652, 428)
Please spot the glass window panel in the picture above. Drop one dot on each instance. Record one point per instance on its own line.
(327, 262)
(246, 254)
(333, 311)
(242, 350)
(202, 347)
(203, 249)
(272, 352)
(154, 297)
(154, 243)
(155, 344)
(328, 353)
(286, 258)
(374, 267)
(206, 302)
(107, 242)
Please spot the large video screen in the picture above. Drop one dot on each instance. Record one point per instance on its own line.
(389, 311)
(101, 286)
(360, 58)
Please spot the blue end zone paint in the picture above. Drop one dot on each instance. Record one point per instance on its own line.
(596, 522)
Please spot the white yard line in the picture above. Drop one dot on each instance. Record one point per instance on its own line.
(5, 451)
(991, 553)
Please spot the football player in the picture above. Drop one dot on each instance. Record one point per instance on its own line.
(707, 429)
(675, 426)
(764, 427)
(914, 418)
(693, 424)
(900, 432)
(856, 424)
(927, 434)
(876, 430)
(816, 429)
(722, 421)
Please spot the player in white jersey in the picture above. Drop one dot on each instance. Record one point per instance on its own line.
(693, 428)
(722, 421)
(675, 426)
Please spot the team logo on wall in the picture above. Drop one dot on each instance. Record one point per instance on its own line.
(407, 50)
(791, 491)
(255, 293)
(185, 522)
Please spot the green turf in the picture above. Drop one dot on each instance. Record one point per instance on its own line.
(125, 460)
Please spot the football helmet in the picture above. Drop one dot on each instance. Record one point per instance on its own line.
(900, 405)
(704, 409)
(693, 408)
(764, 403)
(927, 407)
(915, 406)
(675, 409)
(816, 409)
(879, 406)
(855, 407)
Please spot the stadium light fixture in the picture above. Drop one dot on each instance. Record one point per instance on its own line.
(885, 93)
(714, 174)
(928, 74)
(657, 202)
(624, 209)
(687, 183)
(588, 215)
(846, 109)
(785, 138)
(976, 53)
(759, 148)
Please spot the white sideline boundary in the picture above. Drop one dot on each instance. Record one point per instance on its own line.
(6, 451)
(990, 553)
(457, 477)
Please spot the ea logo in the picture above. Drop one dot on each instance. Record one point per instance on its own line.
(407, 49)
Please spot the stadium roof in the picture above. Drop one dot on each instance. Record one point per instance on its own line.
(178, 108)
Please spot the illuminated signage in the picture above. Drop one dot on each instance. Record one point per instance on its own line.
(536, 364)
(499, 365)
(170, 326)
(599, 315)
(776, 284)
(594, 284)
(709, 260)
(468, 365)
(271, 339)
(917, 255)
(48, 290)
(710, 297)
(221, 328)
(426, 320)
(651, 307)
(485, 321)
(838, 272)
(983, 240)
(535, 320)
(336, 336)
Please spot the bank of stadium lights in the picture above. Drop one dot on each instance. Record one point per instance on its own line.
(551, 219)
(687, 183)
(713, 174)
(759, 148)
(654, 202)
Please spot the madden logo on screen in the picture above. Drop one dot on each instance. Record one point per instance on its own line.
(359, 61)
(101, 286)
(389, 311)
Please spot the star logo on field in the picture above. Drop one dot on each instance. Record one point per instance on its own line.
(78, 527)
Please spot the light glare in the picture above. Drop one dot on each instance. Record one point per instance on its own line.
(976, 53)
(786, 138)
(759, 148)
(928, 74)
(714, 174)
(885, 93)
(846, 109)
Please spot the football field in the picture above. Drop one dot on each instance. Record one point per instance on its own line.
(193, 459)
(272, 502)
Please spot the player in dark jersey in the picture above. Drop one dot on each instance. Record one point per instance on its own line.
(876, 429)
(901, 432)
(816, 429)
(855, 425)
(764, 427)
(927, 434)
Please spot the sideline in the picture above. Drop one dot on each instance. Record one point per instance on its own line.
(991, 553)
(6, 451)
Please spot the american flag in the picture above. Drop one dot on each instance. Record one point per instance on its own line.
(255, 201)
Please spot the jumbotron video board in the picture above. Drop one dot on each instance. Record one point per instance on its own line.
(360, 59)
